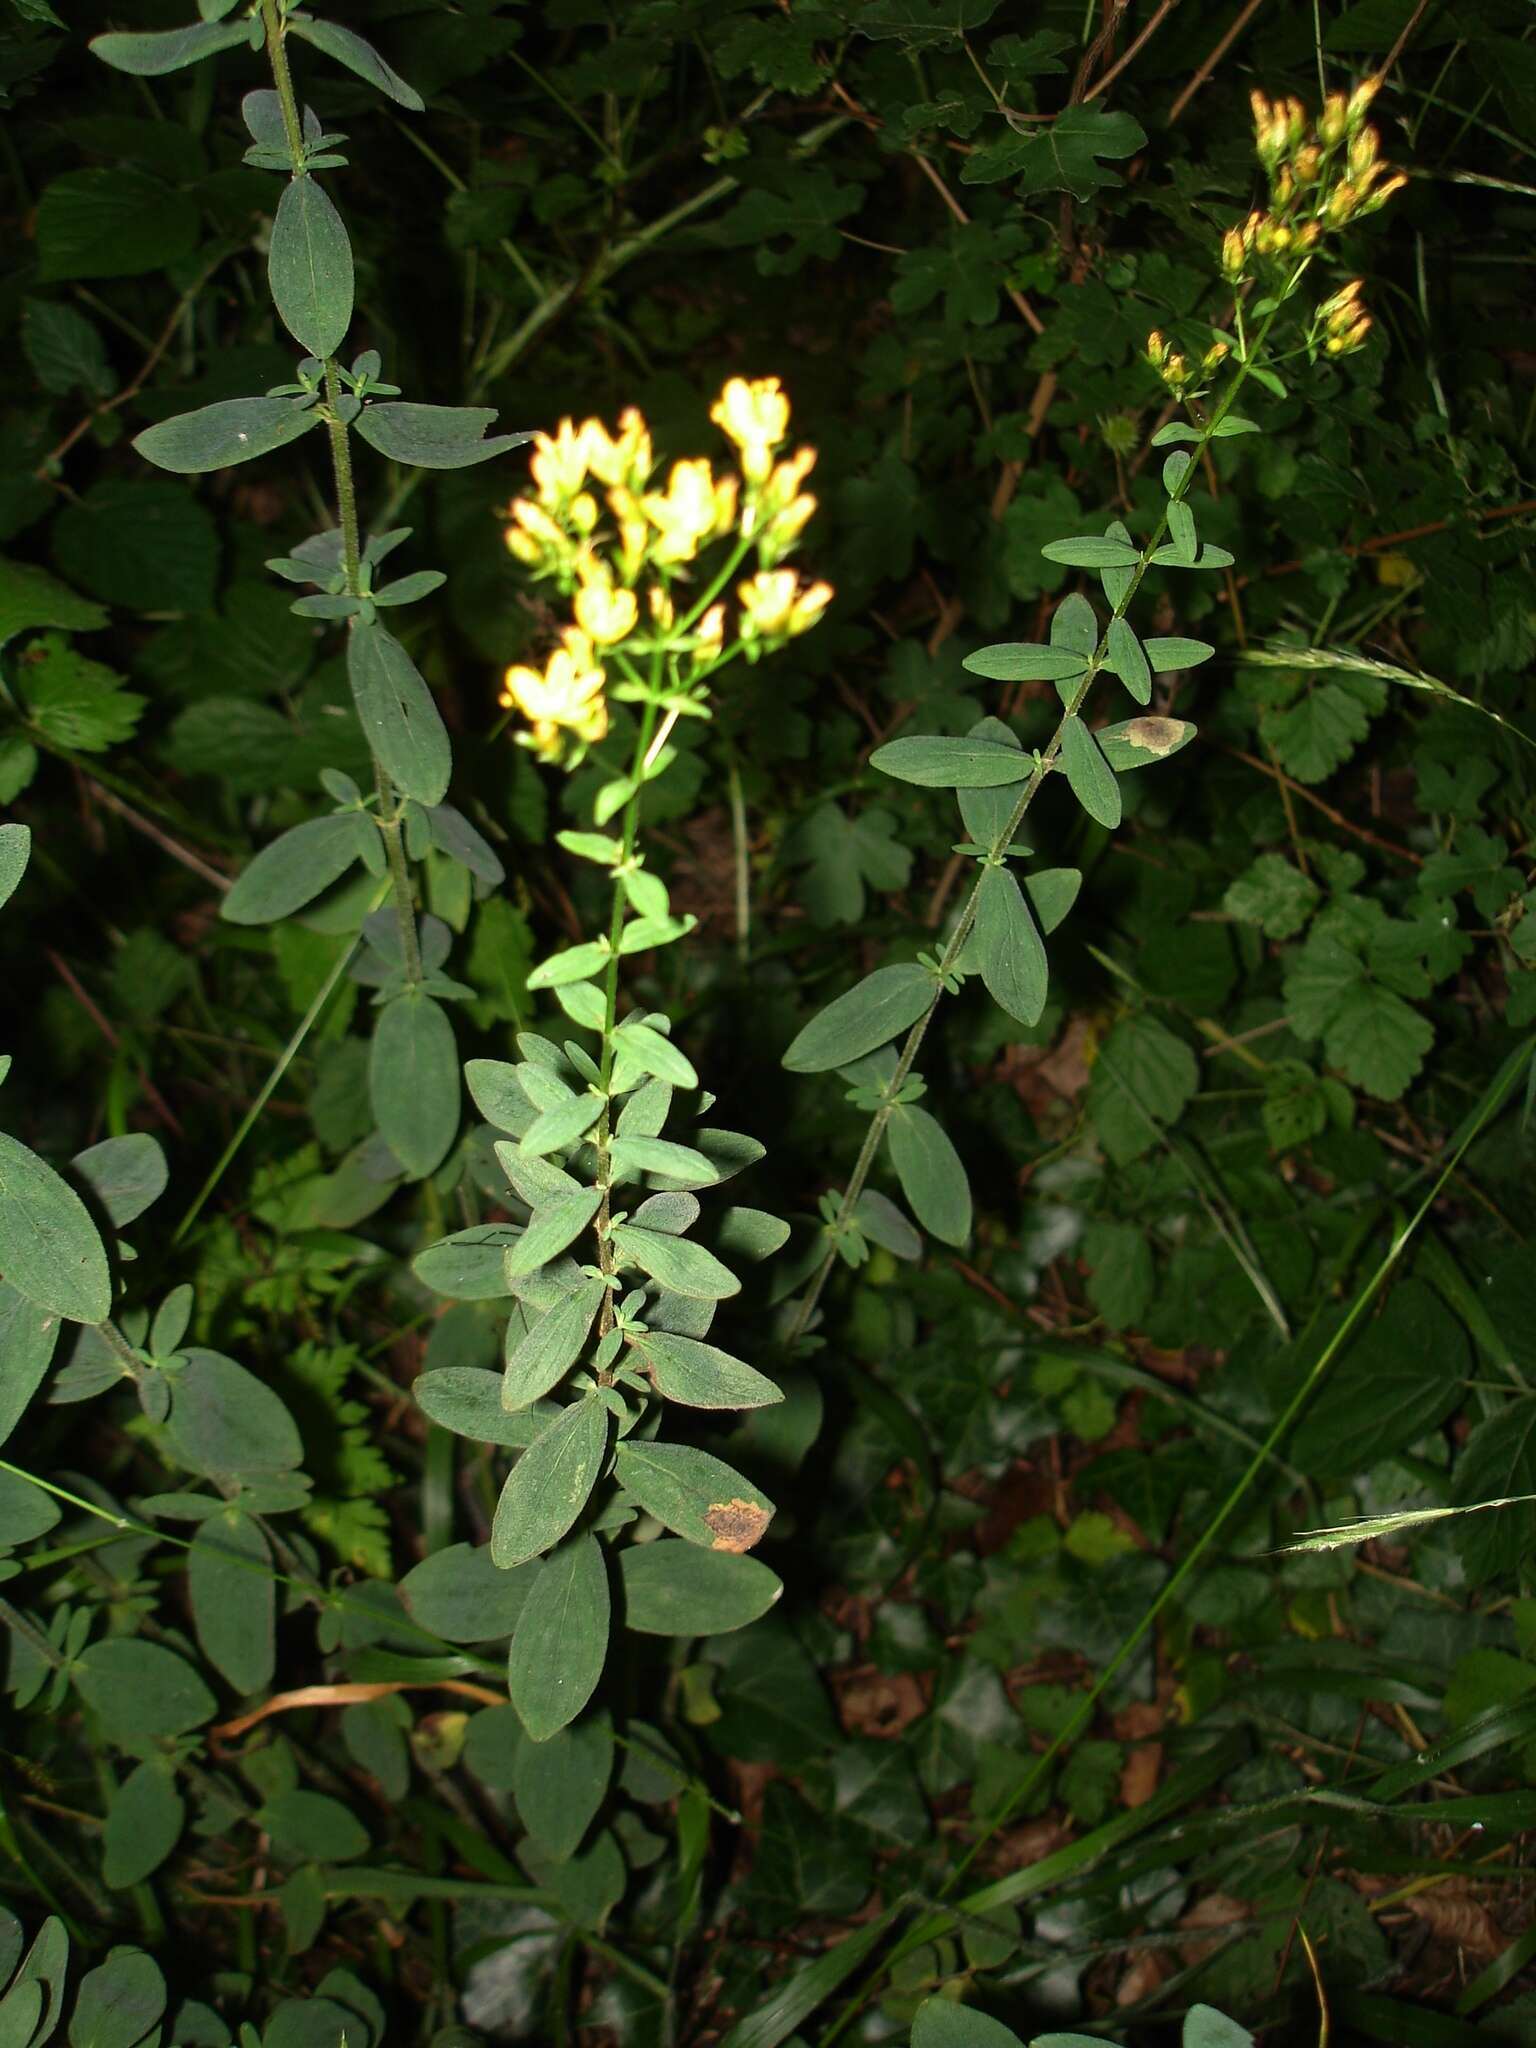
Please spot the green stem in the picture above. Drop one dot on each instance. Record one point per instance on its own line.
(337, 433)
(282, 78)
(602, 1141)
(739, 851)
(264, 1095)
(950, 959)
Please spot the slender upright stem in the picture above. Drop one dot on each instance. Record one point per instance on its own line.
(604, 1137)
(401, 892)
(950, 959)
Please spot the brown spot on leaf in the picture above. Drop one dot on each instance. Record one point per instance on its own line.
(735, 1524)
(1155, 735)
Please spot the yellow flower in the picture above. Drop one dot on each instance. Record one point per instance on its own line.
(710, 631)
(774, 606)
(560, 460)
(694, 509)
(604, 614)
(756, 417)
(535, 538)
(568, 696)
(625, 459)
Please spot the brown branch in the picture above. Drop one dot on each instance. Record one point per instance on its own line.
(352, 1693)
(1392, 540)
(110, 1033)
(163, 840)
(44, 470)
(1334, 817)
(1203, 75)
(1159, 17)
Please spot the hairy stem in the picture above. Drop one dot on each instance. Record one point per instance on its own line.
(950, 958)
(400, 889)
(603, 1140)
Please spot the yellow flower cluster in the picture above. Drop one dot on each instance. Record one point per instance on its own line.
(1343, 320)
(566, 697)
(598, 524)
(1321, 177)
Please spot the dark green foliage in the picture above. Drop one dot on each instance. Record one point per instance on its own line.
(1133, 1415)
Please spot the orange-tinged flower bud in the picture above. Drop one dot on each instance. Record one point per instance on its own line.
(1234, 256)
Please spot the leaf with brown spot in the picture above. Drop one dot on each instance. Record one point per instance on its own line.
(1138, 742)
(737, 1524)
(693, 1494)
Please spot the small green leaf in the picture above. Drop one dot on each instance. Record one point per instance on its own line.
(154, 55)
(471, 1264)
(672, 1588)
(642, 1046)
(218, 437)
(344, 47)
(630, 1157)
(312, 1827)
(881, 1005)
(434, 436)
(542, 1357)
(560, 1783)
(140, 1691)
(309, 268)
(144, 1824)
(463, 1595)
(550, 1231)
(1092, 779)
(697, 1375)
(937, 761)
(126, 1175)
(413, 1081)
(296, 868)
(1052, 893)
(1208, 557)
(931, 1173)
(1141, 742)
(1092, 551)
(1169, 654)
(399, 718)
(467, 1400)
(29, 1336)
(233, 1593)
(119, 2002)
(941, 2023)
(1007, 947)
(1126, 656)
(561, 1643)
(1026, 662)
(675, 1263)
(693, 1494)
(15, 850)
(225, 1423)
(550, 1484)
(50, 1250)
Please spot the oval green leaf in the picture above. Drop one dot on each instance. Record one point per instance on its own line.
(413, 1081)
(550, 1484)
(561, 1643)
(219, 436)
(309, 267)
(399, 718)
(1092, 780)
(295, 868)
(672, 1588)
(882, 1004)
(50, 1250)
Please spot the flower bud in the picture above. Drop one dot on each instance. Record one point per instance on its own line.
(1360, 101)
(1234, 256)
